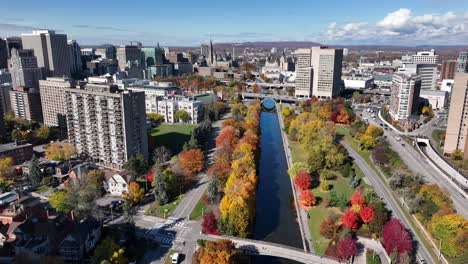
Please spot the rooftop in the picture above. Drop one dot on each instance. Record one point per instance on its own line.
(13, 146)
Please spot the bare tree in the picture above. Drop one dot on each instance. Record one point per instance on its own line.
(161, 155)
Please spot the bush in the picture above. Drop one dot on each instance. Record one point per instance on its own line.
(325, 185)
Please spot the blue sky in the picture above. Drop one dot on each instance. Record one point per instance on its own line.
(410, 22)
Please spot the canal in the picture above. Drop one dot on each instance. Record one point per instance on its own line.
(275, 214)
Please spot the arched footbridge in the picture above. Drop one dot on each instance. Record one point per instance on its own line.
(275, 250)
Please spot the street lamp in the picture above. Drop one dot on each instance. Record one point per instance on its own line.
(440, 246)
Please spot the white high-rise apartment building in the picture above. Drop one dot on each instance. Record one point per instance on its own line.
(105, 124)
(53, 100)
(425, 57)
(51, 51)
(404, 95)
(462, 62)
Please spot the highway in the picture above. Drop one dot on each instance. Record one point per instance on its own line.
(416, 162)
(383, 192)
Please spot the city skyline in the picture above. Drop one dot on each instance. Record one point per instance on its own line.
(396, 23)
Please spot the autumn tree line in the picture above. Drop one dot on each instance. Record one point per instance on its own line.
(431, 204)
(233, 175)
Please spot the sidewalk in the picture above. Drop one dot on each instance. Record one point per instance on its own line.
(301, 213)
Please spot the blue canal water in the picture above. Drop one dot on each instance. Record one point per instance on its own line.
(275, 215)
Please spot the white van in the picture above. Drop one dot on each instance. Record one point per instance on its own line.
(175, 258)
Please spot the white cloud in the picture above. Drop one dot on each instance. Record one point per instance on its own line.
(401, 27)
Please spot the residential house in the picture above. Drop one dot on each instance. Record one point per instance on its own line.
(82, 239)
(116, 183)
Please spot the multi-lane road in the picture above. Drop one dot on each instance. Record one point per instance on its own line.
(417, 163)
(383, 192)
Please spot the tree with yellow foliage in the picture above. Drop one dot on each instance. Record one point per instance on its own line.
(6, 168)
(61, 152)
(134, 194)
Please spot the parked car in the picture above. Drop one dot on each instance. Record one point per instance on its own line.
(175, 258)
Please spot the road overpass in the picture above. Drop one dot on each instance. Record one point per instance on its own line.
(271, 85)
(277, 98)
(276, 250)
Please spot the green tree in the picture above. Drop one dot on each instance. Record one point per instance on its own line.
(58, 200)
(105, 249)
(182, 115)
(457, 154)
(5, 186)
(43, 133)
(160, 189)
(6, 168)
(35, 173)
(137, 164)
(212, 188)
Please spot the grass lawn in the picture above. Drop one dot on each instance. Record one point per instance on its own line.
(156, 210)
(200, 210)
(43, 189)
(316, 216)
(372, 259)
(297, 151)
(171, 136)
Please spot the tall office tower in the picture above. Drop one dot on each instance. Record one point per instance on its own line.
(5, 77)
(448, 70)
(75, 57)
(24, 70)
(457, 125)
(51, 51)
(425, 57)
(304, 73)
(211, 54)
(204, 50)
(13, 43)
(106, 51)
(234, 52)
(327, 64)
(128, 53)
(463, 62)
(5, 97)
(26, 104)
(152, 56)
(404, 95)
(105, 124)
(53, 101)
(3, 54)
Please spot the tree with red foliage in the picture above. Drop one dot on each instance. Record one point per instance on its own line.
(303, 179)
(307, 198)
(150, 177)
(358, 198)
(350, 219)
(329, 227)
(395, 236)
(192, 161)
(209, 224)
(367, 214)
(347, 248)
(334, 116)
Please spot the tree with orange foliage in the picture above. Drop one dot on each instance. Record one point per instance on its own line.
(134, 194)
(192, 161)
(343, 117)
(227, 137)
(350, 219)
(358, 198)
(325, 112)
(220, 171)
(367, 214)
(219, 251)
(303, 180)
(307, 198)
